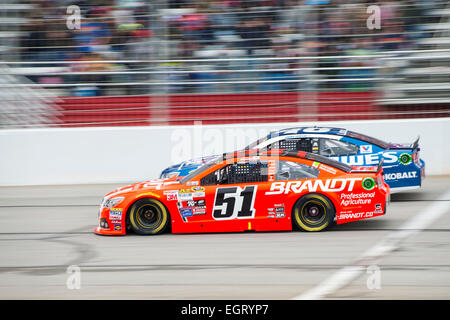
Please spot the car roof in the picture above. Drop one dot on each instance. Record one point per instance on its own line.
(318, 130)
(328, 130)
(288, 153)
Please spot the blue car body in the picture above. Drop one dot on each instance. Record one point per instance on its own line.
(402, 167)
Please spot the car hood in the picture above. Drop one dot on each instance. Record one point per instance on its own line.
(190, 163)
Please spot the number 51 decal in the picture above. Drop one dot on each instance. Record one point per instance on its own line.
(234, 202)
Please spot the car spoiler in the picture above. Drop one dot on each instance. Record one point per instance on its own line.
(416, 143)
(412, 146)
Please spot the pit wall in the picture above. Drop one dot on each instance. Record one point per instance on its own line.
(52, 156)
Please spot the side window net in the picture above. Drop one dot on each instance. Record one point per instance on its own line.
(293, 144)
(246, 172)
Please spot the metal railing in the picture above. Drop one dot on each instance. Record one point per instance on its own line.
(206, 50)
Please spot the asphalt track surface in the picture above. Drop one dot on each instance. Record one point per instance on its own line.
(46, 229)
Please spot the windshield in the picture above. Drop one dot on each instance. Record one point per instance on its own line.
(199, 170)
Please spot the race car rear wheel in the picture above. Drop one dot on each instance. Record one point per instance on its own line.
(148, 216)
(313, 212)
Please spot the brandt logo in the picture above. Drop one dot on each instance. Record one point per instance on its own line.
(329, 185)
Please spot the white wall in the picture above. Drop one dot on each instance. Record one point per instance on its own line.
(128, 154)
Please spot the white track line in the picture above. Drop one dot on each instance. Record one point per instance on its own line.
(372, 256)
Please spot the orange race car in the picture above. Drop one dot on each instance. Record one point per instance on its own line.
(249, 190)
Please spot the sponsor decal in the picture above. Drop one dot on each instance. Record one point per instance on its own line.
(364, 168)
(192, 183)
(315, 145)
(199, 210)
(198, 194)
(405, 159)
(184, 191)
(327, 169)
(323, 167)
(271, 170)
(190, 196)
(153, 184)
(168, 183)
(400, 175)
(171, 195)
(185, 196)
(195, 189)
(115, 213)
(368, 159)
(328, 185)
(356, 198)
(378, 208)
(368, 183)
(358, 215)
(194, 203)
(279, 210)
(186, 212)
(118, 227)
(365, 148)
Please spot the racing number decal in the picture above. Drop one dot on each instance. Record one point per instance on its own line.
(234, 202)
(224, 208)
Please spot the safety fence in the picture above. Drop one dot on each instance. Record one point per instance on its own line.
(44, 156)
(176, 62)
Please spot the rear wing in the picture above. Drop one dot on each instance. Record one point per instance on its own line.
(416, 143)
(411, 146)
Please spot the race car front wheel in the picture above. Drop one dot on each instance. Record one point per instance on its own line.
(313, 212)
(148, 216)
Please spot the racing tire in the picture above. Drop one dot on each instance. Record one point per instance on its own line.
(148, 217)
(313, 212)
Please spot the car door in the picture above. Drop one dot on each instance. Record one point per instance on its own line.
(284, 190)
(233, 193)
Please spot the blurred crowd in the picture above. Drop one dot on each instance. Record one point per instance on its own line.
(233, 45)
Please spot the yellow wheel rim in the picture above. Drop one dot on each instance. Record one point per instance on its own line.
(141, 220)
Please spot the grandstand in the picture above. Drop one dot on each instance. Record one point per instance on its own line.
(230, 61)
